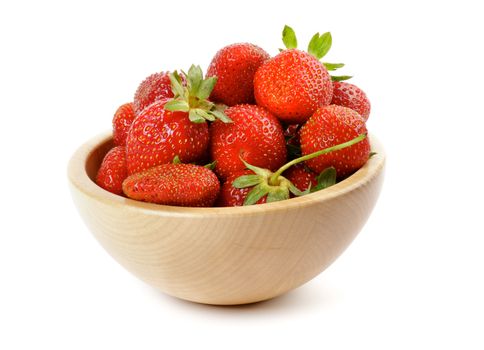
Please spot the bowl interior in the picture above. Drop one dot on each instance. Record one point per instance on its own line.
(95, 157)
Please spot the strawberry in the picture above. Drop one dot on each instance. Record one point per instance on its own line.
(231, 196)
(112, 171)
(122, 120)
(255, 135)
(329, 126)
(307, 180)
(301, 176)
(351, 96)
(154, 88)
(262, 185)
(293, 84)
(177, 127)
(186, 185)
(158, 135)
(235, 66)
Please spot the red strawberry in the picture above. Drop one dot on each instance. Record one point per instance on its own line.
(231, 196)
(254, 135)
(158, 135)
(292, 85)
(186, 185)
(177, 127)
(112, 171)
(154, 88)
(122, 120)
(301, 176)
(235, 66)
(351, 96)
(329, 126)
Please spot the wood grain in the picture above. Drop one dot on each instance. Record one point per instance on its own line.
(225, 255)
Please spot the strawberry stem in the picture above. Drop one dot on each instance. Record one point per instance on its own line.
(275, 176)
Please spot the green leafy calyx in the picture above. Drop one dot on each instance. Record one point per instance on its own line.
(333, 66)
(319, 46)
(210, 166)
(341, 77)
(325, 179)
(192, 98)
(176, 160)
(289, 38)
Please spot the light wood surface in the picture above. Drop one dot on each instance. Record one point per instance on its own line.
(225, 255)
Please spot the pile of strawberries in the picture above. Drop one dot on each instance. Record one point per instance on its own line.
(255, 129)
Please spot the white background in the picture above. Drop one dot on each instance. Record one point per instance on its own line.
(413, 278)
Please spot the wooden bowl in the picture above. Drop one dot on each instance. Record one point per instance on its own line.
(225, 256)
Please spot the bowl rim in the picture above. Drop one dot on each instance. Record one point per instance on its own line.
(79, 179)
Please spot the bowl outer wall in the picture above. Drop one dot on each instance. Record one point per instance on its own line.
(225, 256)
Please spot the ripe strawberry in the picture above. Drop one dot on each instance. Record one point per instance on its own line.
(177, 127)
(158, 135)
(351, 96)
(112, 171)
(122, 120)
(154, 88)
(235, 66)
(307, 180)
(292, 85)
(186, 185)
(231, 196)
(301, 176)
(329, 126)
(255, 135)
